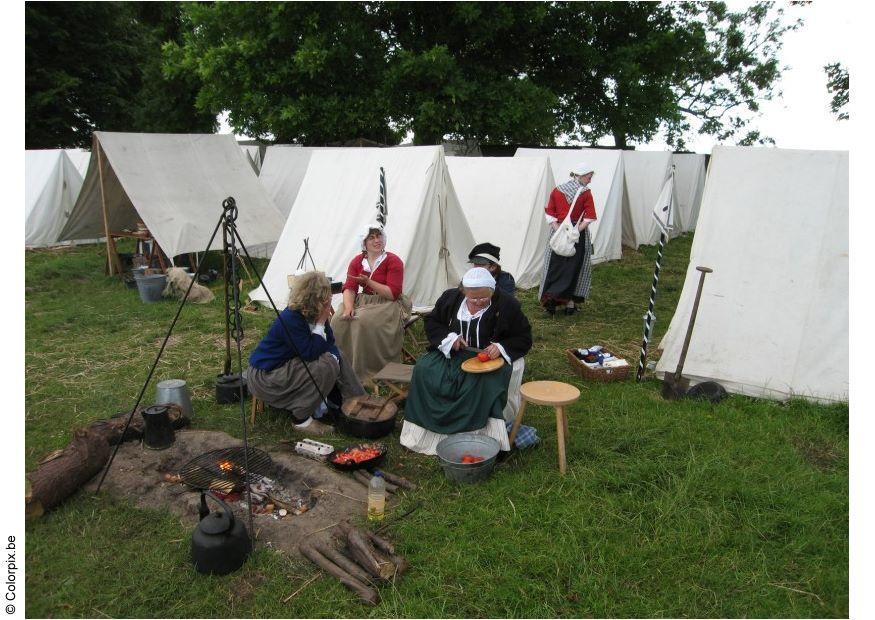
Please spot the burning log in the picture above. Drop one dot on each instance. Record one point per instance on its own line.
(367, 556)
(366, 593)
(59, 477)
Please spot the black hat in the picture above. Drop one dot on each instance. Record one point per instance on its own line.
(484, 252)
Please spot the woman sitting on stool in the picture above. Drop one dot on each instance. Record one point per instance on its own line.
(443, 398)
(300, 334)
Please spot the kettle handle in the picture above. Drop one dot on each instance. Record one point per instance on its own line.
(225, 506)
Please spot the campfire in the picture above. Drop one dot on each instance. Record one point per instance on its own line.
(223, 472)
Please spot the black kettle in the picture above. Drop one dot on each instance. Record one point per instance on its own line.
(158, 433)
(220, 543)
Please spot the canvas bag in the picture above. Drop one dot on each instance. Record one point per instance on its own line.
(563, 240)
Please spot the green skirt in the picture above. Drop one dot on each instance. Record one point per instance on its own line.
(445, 399)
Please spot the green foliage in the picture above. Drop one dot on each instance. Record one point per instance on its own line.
(668, 508)
(98, 66)
(838, 85)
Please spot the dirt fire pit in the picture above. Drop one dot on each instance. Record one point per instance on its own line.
(138, 474)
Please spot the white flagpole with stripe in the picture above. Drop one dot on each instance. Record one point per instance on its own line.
(663, 213)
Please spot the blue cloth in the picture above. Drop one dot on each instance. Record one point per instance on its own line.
(275, 349)
(506, 283)
(526, 436)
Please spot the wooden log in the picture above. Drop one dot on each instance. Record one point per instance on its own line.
(360, 477)
(367, 594)
(399, 480)
(343, 562)
(59, 477)
(367, 557)
(401, 564)
(378, 541)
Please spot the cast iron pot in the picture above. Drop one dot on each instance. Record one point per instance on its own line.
(349, 423)
(220, 543)
(228, 388)
(158, 433)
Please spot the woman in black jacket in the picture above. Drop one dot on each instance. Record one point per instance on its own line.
(444, 399)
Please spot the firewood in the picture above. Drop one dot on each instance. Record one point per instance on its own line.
(401, 564)
(343, 562)
(399, 480)
(367, 557)
(360, 477)
(367, 594)
(56, 479)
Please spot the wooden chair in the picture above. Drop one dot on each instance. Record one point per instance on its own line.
(395, 377)
(411, 342)
(552, 394)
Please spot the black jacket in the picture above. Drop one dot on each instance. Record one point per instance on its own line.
(503, 323)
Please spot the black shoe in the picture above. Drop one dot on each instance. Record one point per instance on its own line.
(570, 311)
(550, 307)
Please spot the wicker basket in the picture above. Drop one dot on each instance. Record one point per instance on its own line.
(596, 374)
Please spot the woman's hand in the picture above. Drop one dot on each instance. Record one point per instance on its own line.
(459, 343)
(325, 315)
(493, 351)
(348, 313)
(362, 280)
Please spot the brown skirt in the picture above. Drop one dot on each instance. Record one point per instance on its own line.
(375, 337)
(289, 386)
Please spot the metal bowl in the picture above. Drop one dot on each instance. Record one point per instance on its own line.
(451, 449)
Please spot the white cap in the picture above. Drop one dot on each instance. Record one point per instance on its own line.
(581, 168)
(478, 277)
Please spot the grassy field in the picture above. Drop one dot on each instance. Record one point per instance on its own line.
(668, 508)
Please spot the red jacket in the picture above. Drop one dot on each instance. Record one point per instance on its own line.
(557, 206)
(390, 272)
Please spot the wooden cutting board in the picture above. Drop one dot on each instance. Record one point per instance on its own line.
(474, 365)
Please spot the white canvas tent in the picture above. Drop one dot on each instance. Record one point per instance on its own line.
(689, 183)
(337, 201)
(283, 172)
(253, 154)
(773, 317)
(607, 192)
(51, 185)
(175, 184)
(503, 199)
(80, 159)
(644, 173)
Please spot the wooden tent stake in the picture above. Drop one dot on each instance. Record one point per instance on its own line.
(112, 259)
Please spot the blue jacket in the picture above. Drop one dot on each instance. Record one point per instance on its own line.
(275, 349)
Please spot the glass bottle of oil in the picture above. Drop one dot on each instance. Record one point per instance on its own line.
(376, 497)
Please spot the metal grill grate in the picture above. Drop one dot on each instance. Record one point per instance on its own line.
(224, 470)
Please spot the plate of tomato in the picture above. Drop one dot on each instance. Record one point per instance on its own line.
(482, 363)
(364, 455)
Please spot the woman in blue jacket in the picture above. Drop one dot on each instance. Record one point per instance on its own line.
(302, 333)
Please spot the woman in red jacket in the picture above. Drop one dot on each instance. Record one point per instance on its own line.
(369, 326)
(566, 279)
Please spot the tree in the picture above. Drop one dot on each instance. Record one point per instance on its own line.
(97, 65)
(309, 72)
(630, 69)
(462, 69)
(838, 85)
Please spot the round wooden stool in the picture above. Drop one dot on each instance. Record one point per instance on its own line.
(552, 394)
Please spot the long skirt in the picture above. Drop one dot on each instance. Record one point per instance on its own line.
(375, 337)
(445, 400)
(567, 278)
(289, 386)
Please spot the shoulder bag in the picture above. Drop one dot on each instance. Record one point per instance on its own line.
(566, 236)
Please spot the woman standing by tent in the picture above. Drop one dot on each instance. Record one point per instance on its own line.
(369, 326)
(566, 279)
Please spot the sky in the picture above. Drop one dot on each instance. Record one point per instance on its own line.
(801, 117)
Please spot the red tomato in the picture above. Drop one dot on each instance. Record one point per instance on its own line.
(483, 356)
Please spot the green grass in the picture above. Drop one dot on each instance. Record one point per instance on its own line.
(668, 508)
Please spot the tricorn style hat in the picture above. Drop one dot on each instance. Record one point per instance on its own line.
(485, 252)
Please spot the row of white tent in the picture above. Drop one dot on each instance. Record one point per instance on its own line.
(757, 329)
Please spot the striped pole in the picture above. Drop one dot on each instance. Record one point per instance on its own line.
(382, 207)
(649, 317)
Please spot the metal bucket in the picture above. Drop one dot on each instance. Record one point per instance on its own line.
(451, 449)
(150, 287)
(174, 391)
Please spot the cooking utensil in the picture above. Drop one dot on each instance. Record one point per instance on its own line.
(338, 462)
(174, 391)
(368, 417)
(475, 366)
(228, 388)
(158, 433)
(675, 386)
(450, 451)
(220, 543)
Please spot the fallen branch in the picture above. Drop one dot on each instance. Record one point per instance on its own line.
(343, 562)
(399, 480)
(301, 589)
(365, 593)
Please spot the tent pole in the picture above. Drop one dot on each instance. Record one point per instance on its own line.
(111, 255)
